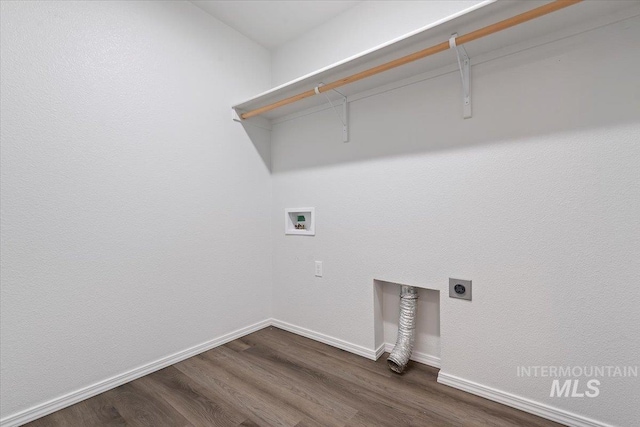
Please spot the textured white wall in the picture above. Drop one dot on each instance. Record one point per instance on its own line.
(362, 27)
(536, 199)
(131, 205)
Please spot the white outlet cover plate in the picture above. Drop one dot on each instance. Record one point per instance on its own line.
(318, 268)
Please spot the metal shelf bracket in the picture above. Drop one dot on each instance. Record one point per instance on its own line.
(465, 75)
(344, 117)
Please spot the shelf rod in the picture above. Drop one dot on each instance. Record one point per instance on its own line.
(441, 47)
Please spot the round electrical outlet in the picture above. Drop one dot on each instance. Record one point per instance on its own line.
(459, 289)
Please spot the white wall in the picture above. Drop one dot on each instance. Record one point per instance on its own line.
(134, 212)
(362, 27)
(536, 199)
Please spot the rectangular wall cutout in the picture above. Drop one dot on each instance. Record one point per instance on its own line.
(300, 221)
(427, 345)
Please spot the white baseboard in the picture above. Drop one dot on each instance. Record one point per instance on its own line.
(69, 399)
(417, 356)
(542, 410)
(380, 350)
(326, 339)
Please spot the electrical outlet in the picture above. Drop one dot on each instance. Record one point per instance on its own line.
(318, 268)
(460, 289)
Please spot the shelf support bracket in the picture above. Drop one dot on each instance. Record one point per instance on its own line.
(344, 118)
(465, 75)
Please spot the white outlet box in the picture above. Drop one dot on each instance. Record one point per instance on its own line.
(293, 224)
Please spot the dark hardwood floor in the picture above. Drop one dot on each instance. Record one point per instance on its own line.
(275, 378)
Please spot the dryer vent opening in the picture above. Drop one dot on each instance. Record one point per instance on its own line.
(401, 353)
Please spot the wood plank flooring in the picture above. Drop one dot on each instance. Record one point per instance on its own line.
(275, 378)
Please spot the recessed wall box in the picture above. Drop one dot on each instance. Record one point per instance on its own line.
(300, 221)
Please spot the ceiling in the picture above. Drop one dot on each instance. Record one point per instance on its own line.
(273, 23)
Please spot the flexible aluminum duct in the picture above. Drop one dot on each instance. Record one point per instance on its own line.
(399, 357)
